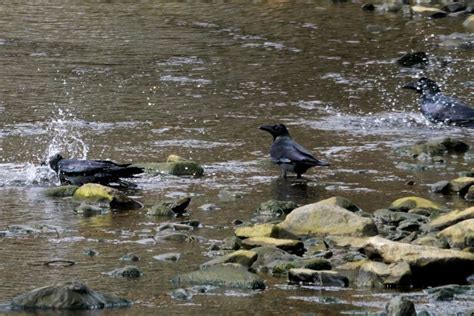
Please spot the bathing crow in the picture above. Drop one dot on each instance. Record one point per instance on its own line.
(439, 108)
(78, 172)
(288, 154)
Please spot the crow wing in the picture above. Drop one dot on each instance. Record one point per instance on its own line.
(88, 167)
(286, 150)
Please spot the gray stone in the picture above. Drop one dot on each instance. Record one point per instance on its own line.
(400, 306)
(315, 277)
(182, 294)
(131, 272)
(171, 256)
(226, 275)
(73, 295)
(170, 208)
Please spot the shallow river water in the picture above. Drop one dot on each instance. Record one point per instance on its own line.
(137, 81)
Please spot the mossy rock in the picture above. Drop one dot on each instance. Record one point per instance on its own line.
(410, 203)
(73, 295)
(342, 202)
(439, 147)
(99, 193)
(229, 275)
(61, 191)
(461, 185)
(289, 245)
(457, 235)
(174, 165)
(449, 219)
(170, 208)
(243, 257)
(275, 208)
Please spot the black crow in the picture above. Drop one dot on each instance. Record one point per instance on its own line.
(439, 108)
(288, 154)
(78, 172)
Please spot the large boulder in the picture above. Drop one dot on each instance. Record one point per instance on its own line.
(99, 193)
(414, 204)
(459, 234)
(224, 275)
(325, 219)
(381, 275)
(429, 265)
(448, 219)
(73, 295)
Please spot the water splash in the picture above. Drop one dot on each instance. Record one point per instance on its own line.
(66, 136)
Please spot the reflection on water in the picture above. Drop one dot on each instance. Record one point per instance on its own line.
(135, 82)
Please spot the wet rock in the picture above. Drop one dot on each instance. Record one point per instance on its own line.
(374, 28)
(130, 257)
(283, 265)
(315, 277)
(263, 230)
(274, 209)
(380, 275)
(243, 257)
(448, 219)
(182, 294)
(470, 194)
(368, 7)
(457, 41)
(429, 12)
(88, 210)
(288, 245)
(170, 208)
(266, 255)
(208, 207)
(61, 191)
(168, 235)
(314, 246)
(131, 272)
(313, 220)
(174, 165)
(171, 256)
(231, 243)
(174, 227)
(90, 252)
(461, 185)
(412, 167)
(342, 202)
(225, 275)
(400, 306)
(441, 187)
(431, 241)
(439, 147)
(469, 23)
(414, 204)
(453, 7)
(100, 193)
(448, 292)
(389, 7)
(226, 195)
(416, 59)
(425, 262)
(73, 295)
(457, 234)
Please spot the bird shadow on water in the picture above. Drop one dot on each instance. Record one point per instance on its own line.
(296, 190)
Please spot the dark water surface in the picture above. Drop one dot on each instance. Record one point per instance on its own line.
(137, 81)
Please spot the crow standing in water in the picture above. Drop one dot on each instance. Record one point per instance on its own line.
(78, 172)
(439, 108)
(288, 154)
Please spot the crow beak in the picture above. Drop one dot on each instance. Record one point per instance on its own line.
(268, 128)
(411, 86)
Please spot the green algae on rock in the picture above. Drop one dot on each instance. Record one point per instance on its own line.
(99, 193)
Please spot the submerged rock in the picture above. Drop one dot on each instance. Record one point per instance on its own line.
(439, 147)
(416, 59)
(182, 294)
(224, 275)
(73, 295)
(171, 256)
(170, 208)
(313, 220)
(100, 193)
(61, 191)
(126, 272)
(400, 306)
(174, 165)
(315, 277)
(457, 41)
(90, 210)
(130, 257)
